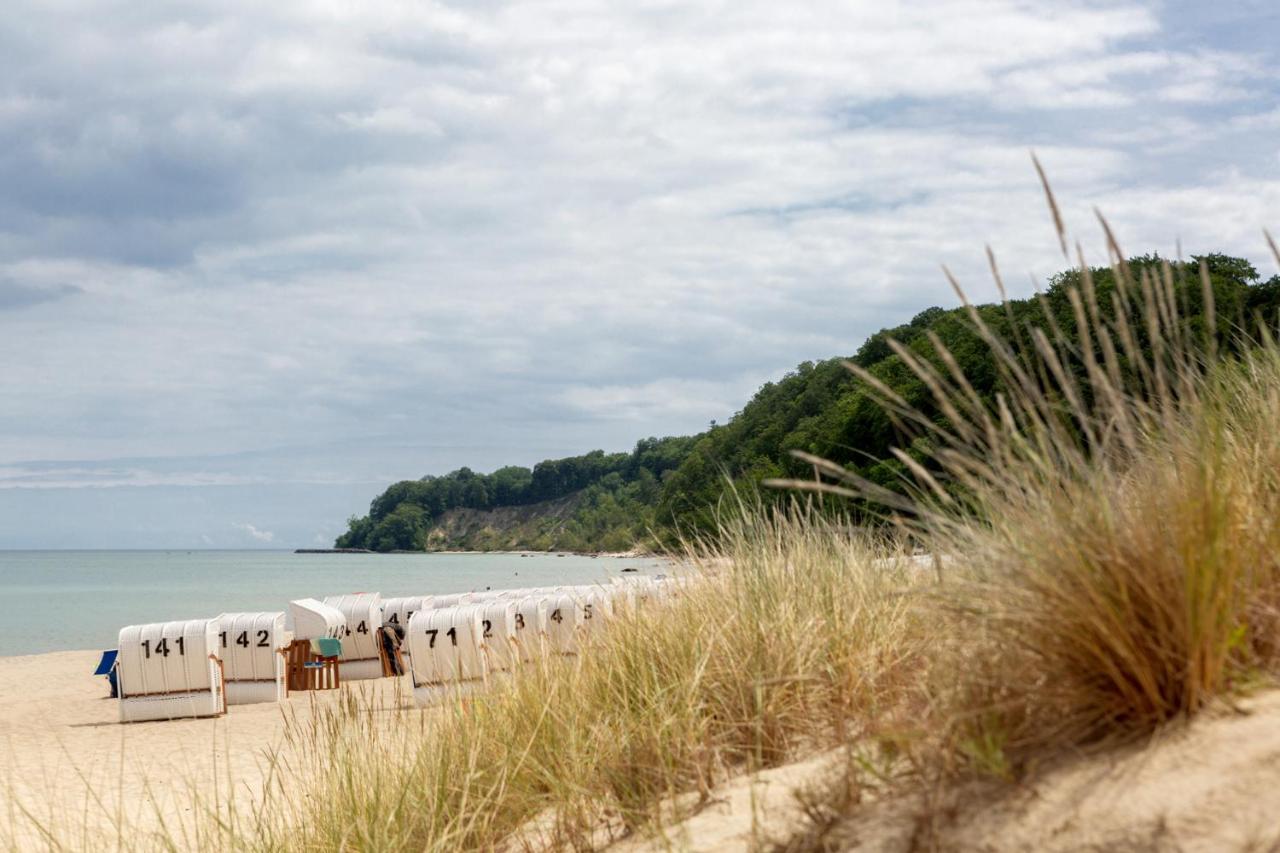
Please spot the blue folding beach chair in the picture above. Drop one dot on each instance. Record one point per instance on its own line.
(107, 667)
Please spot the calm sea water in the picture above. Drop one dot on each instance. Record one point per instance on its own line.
(55, 600)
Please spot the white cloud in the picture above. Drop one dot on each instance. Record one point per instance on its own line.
(74, 476)
(239, 226)
(691, 399)
(259, 535)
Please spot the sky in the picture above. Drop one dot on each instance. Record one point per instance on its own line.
(259, 260)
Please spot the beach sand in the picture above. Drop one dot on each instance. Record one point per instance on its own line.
(1212, 785)
(69, 765)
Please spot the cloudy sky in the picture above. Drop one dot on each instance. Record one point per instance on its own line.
(259, 259)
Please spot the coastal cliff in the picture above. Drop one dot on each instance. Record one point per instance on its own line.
(541, 526)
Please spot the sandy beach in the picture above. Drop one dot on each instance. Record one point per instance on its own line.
(70, 768)
(69, 765)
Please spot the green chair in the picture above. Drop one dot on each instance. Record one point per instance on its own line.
(326, 647)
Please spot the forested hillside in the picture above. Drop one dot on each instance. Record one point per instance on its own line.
(674, 485)
(616, 495)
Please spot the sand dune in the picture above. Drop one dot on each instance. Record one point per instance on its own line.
(1213, 785)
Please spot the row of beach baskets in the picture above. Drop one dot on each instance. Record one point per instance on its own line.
(197, 667)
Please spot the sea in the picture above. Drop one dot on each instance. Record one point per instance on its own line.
(60, 600)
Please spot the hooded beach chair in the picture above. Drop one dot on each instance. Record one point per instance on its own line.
(311, 619)
(253, 657)
(169, 670)
(362, 615)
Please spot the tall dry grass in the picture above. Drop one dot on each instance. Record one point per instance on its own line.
(1133, 591)
(793, 637)
(1112, 518)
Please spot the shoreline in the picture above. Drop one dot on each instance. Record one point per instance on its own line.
(663, 564)
(110, 590)
(610, 555)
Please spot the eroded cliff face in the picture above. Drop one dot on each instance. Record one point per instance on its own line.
(532, 527)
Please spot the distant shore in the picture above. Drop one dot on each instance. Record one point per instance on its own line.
(613, 555)
(333, 551)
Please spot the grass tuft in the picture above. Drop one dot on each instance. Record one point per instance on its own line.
(1111, 519)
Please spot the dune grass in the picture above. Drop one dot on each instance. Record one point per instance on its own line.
(786, 642)
(1132, 591)
(1113, 519)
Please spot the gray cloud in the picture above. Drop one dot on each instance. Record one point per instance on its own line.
(323, 249)
(14, 295)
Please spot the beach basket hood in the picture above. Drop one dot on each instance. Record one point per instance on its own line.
(252, 664)
(169, 670)
(362, 619)
(446, 650)
(309, 618)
